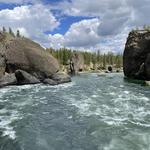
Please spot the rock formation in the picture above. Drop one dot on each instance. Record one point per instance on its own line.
(25, 78)
(26, 60)
(76, 63)
(136, 59)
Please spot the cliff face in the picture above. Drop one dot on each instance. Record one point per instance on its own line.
(136, 59)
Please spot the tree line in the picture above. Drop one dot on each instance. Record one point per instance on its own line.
(145, 27)
(98, 59)
(11, 32)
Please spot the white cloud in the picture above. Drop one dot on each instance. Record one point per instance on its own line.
(32, 20)
(56, 41)
(82, 34)
(108, 31)
(115, 14)
(116, 19)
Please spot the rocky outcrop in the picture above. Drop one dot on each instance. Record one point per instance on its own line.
(25, 78)
(8, 79)
(50, 82)
(136, 59)
(76, 63)
(24, 54)
(61, 78)
(23, 61)
(58, 78)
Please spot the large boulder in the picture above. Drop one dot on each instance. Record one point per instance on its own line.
(23, 61)
(61, 77)
(76, 63)
(25, 78)
(8, 79)
(24, 54)
(136, 59)
(50, 82)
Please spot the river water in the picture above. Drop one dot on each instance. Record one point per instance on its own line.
(91, 113)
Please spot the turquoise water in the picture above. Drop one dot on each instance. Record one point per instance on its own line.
(91, 113)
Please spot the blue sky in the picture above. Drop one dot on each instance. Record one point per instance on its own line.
(84, 25)
(66, 22)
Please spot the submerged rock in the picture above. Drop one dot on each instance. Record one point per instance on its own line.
(136, 59)
(25, 78)
(8, 79)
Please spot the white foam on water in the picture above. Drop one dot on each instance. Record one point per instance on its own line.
(145, 98)
(26, 86)
(123, 103)
(9, 132)
(121, 86)
(5, 123)
(3, 111)
(114, 120)
(140, 124)
(64, 85)
(24, 102)
(140, 140)
(4, 90)
(42, 98)
(45, 113)
(70, 117)
(44, 102)
(126, 92)
(112, 93)
(112, 145)
(94, 96)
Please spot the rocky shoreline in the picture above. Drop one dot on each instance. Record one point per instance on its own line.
(21, 77)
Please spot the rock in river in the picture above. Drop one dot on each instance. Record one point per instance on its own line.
(25, 78)
(136, 59)
(8, 79)
(61, 78)
(50, 82)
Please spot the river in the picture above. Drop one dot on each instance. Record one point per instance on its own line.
(90, 113)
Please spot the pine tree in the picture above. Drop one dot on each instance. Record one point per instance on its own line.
(98, 56)
(11, 32)
(104, 61)
(18, 33)
(4, 29)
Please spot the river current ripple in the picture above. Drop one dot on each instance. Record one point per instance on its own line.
(91, 113)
